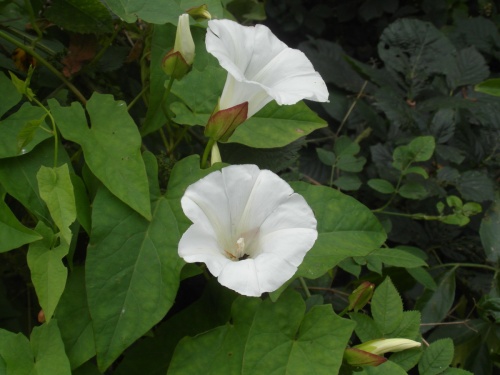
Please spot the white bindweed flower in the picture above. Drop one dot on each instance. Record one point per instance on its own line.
(261, 67)
(249, 228)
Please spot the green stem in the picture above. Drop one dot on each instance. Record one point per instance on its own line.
(178, 140)
(304, 286)
(45, 63)
(467, 265)
(351, 108)
(54, 130)
(31, 14)
(208, 148)
(138, 96)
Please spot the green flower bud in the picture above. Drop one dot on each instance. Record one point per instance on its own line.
(361, 296)
(199, 13)
(178, 61)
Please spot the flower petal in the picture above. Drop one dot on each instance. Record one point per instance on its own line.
(261, 67)
(205, 203)
(252, 277)
(253, 195)
(199, 245)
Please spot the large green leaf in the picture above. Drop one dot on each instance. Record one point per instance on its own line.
(12, 232)
(57, 191)
(159, 11)
(74, 320)
(132, 272)
(48, 272)
(111, 147)
(346, 228)
(90, 16)
(277, 126)
(48, 350)
(12, 126)
(268, 338)
(132, 267)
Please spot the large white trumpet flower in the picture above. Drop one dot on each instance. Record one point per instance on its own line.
(249, 228)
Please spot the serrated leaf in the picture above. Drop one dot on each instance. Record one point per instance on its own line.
(74, 321)
(345, 146)
(254, 344)
(48, 349)
(476, 185)
(397, 258)
(14, 125)
(385, 368)
(409, 327)
(436, 357)
(469, 67)
(326, 157)
(366, 329)
(416, 170)
(57, 192)
(407, 359)
(48, 272)
(380, 185)
(443, 124)
(387, 307)
(413, 190)
(415, 49)
(349, 163)
(112, 146)
(90, 16)
(348, 182)
(489, 232)
(13, 233)
(490, 86)
(434, 305)
(346, 228)
(10, 96)
(323, 55)
(422, 148)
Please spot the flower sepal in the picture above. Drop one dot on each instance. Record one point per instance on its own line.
(359, 358)
(222, 123)
(175, 65)
(177, 62)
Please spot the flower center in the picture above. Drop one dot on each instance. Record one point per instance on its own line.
(239, 252)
